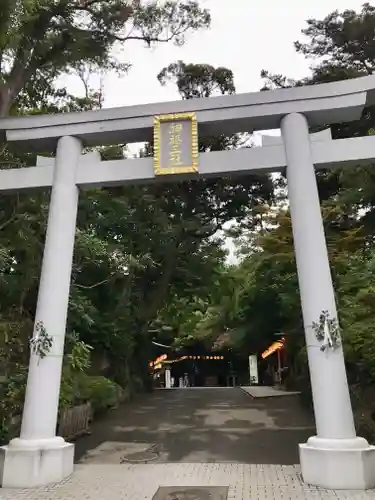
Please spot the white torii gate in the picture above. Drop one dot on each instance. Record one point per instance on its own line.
(335, 457)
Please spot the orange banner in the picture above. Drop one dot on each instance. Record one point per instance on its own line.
(276, 346)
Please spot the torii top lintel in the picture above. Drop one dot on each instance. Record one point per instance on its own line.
(322, 104)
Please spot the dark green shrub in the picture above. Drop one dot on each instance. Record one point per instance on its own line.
(101, 392)
(12, 394)
(81, 388)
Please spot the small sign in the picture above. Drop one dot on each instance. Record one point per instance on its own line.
(253, 369)
(175, 144)
(168, 384)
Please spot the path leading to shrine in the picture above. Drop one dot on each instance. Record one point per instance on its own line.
(201, 425)
(199, 444)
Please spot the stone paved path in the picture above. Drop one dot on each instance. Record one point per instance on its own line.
(202, 425)
(140, 482)
(197, 438)
(263, 391)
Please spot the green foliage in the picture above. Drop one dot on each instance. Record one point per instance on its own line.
(42, 39)
(342, 46)
(198, 80)
(78, 386)
(102, 393)
(118, 284)
(141, 252)
(148, 261)
(81, 388)
(12, 395)
(78, 359)
(13, 374)
(344, 39)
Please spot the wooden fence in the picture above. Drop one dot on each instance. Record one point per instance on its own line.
(75, 421)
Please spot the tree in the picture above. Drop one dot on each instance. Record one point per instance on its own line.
(341, 46)
(39, 41)
(345, 40)
(42, 39)
(198, 80)
(215, 202)
(166, 234)
(139, 250)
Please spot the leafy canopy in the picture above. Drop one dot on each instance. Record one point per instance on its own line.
(41, 39)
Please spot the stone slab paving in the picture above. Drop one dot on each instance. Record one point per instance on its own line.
(200, 426)
(141, 482)
(265, 391)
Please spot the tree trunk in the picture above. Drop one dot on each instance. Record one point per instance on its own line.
(161, 289)
(5, 100)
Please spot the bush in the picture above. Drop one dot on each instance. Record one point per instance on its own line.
(362, 399)
(78, 387)
(81, 388)
(102, 393)
(12, 393)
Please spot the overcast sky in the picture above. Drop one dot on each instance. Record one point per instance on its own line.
(246, 36)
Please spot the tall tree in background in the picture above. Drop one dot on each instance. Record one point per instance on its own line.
(342, 45)
(43, 39)
(219, 201)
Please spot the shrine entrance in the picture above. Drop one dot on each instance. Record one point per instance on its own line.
(335, 457)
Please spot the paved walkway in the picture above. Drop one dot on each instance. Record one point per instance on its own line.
(141, 482)
(192, 438)
(201, 425)
(264, 391)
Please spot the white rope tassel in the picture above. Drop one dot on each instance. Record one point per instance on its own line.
(327, 334)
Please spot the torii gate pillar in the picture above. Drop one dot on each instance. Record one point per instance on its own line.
(335, 458)
(38, 456)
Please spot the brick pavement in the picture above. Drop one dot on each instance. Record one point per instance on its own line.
(140, 482)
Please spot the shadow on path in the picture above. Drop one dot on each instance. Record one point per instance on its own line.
(203, 425)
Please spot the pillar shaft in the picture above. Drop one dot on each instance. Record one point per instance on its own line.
(43, 384)
(332, 407)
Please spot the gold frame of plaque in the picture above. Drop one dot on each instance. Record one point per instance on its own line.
(178, 169)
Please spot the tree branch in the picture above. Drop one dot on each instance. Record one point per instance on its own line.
(148, 39)
(89, 287)
(9, 221)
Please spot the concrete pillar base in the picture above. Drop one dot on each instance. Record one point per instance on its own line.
(32, 463)
(338, 464)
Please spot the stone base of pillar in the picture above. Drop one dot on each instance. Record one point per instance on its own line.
(28, 464)
(338, 464)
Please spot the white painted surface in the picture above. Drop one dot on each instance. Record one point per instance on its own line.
(335, 458)
(333, 413)
(43, 385)
(343, 469)
(33, 467)
(93, 173)
(323, 104)
(38, 456)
